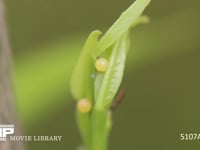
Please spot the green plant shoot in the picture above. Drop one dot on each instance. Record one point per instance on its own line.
(98, 88)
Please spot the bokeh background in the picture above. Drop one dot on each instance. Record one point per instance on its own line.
(162, 76)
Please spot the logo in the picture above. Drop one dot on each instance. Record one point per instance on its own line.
(6, 130)
(7, 134)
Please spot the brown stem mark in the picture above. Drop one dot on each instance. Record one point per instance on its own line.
(118, 99)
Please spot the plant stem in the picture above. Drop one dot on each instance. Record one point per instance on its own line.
(99, 129)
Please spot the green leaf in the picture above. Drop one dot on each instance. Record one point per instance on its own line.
(125, 21)
(82, 81)
(113, 76)
(99, 76)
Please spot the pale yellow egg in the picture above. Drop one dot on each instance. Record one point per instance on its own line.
(101, 64)
(84, 105)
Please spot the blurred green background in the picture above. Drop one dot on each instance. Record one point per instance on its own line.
(162, 76)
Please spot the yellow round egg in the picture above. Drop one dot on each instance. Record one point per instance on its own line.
(84, 105)
(101, 64)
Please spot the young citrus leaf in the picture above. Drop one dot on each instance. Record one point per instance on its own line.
(113, 76)
(97, 84)
(82, 81)
(125, 21)
(99, 76)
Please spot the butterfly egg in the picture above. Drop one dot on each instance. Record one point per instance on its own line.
(101, 64)
(84, 105)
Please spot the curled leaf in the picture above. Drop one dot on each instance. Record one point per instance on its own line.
(82, 81)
